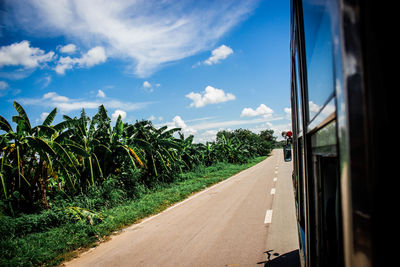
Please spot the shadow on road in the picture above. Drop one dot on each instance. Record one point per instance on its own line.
(290, 259)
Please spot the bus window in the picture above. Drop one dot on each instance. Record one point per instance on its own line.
(298, 96)
(319, 54)
(327, 190)
(301, 186)
(299, 191)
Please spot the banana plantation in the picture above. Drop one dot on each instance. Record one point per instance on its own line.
(61, 161)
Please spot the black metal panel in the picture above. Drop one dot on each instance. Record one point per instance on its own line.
(378, 52)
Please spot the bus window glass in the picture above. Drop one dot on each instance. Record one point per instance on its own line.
(327, 111)
(301, 190)
(327, 185)
(298, 97)
(319, 54)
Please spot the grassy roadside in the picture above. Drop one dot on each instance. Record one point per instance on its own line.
(52, 237)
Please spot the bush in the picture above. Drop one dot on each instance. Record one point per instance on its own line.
(31, 223)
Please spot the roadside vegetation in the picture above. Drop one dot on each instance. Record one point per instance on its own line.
(71, 184)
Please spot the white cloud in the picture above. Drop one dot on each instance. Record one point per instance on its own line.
(210, 125)
(288, 112)
(146, 84)
(206, 128)
(219, 54)
(101, 94)
(210, 95)
(117, 113)
(148, 87)
(55, 97)
(94, 56)
(153, 118)
(279, 128)
(44, 115)
(22, 54)
(262, 110)
(231, 123)
(313, 108)
(178, 122)
(147, 33)
(65, 104)
(3, 85)
(76, 105)
(46, 81)
(207, 136)
(68, 49)
(64, 63)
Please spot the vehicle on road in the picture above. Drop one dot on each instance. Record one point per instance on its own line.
(342, 109)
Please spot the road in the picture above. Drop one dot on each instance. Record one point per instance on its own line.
(246, 220)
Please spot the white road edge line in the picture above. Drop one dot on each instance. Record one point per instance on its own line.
(268, 217)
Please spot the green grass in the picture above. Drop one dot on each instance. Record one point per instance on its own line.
(53, 236)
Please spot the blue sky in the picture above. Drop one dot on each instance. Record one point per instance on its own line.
(199, 65)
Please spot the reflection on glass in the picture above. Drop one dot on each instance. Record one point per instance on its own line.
(319, 54)
(325, 112)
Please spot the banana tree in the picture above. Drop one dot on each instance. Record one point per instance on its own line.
(20, 160)
(113, 149)
(160, 149)
(99, 148)
(32, 156)
(190, 154)
(50, 142)
(14, 149)
(82, 143)
(7, 148)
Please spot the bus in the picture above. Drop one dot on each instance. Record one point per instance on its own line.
(344, 147)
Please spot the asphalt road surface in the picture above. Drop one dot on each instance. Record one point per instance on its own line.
(246, 220)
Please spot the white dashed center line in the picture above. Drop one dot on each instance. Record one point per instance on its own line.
(268, 217)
